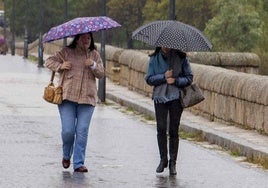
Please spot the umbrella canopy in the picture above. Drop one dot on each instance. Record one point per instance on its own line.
(172, 34)
(80, 25)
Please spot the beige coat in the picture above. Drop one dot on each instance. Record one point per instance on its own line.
(79, 83)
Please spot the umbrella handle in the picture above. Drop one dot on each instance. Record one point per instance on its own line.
(60, 55)
(61, 82)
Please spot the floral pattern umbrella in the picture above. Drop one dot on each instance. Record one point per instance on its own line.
(78, 26)
(172, 34)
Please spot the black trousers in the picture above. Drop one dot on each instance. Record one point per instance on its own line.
(162, 110)
(174, 110)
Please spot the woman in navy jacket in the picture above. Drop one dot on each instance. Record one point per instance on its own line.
(169, 71)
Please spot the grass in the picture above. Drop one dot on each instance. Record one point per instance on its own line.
(147, 117)
(33, 58)
(236, 153)
(193, 136)
(259, 160)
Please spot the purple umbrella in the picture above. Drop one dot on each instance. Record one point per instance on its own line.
(78, 26)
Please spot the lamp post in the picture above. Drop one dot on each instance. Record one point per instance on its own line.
(40, 46)
(65, 19)
(102, 82)
(25, 54)
(172, 9)
(5, 25)
(13, 29)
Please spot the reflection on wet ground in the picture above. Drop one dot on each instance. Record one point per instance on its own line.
(166, 181)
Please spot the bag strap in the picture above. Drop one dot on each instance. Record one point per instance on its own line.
(52, 77)
(53, 72)
(63, 74)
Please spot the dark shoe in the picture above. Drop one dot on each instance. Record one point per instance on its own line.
(81, 169)
(172, 168)
(163, 164)
(65, 163)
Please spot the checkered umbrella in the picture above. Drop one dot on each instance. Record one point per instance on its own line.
(78, 26)
(172, 34)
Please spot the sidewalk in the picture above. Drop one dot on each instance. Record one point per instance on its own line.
(242, 142)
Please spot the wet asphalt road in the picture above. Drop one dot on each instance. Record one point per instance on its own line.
(121, 151)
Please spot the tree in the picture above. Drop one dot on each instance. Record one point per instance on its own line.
(195, 12)
(262, 48)
(128, 14)
(156, 10)
(237, 27)
(53, 14)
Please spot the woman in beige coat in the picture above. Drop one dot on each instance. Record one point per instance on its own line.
(78, 64)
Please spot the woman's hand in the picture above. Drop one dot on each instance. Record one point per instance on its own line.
(170, 80)
(89, 62)
(66, 65)
(168, 74)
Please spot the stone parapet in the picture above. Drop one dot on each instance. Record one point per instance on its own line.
(232, 97)
(241, 62)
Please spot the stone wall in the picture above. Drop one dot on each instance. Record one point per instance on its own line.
(241, 62)
(49, 48)
(232, 97)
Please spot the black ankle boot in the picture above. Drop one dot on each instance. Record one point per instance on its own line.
(163, 164)
(162, 144)
(172, 168)
(173, 152)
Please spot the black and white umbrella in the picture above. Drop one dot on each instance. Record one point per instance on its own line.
(172, 34)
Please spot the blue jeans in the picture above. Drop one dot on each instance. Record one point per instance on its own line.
(75, 121)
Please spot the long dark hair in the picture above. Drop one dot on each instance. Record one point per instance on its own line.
(180, 53)
(74, 42)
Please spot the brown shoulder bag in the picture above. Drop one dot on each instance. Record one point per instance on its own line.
(53, 94)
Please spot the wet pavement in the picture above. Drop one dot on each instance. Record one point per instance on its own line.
(121, 151)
